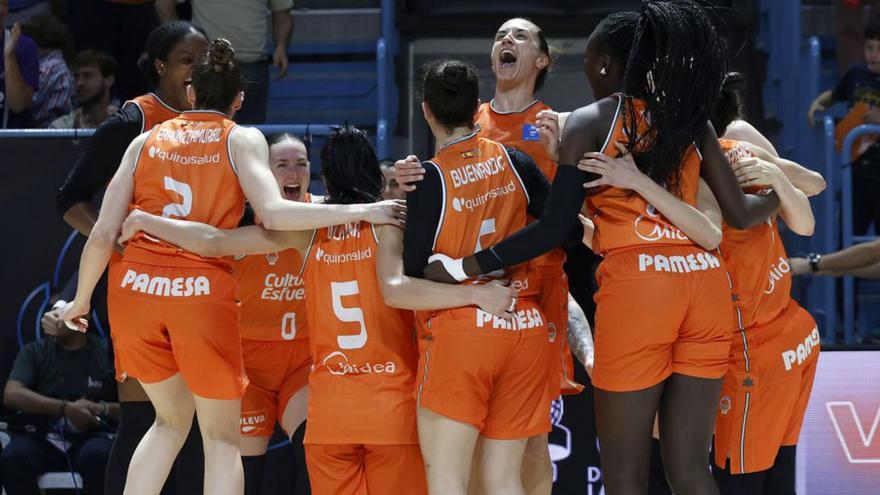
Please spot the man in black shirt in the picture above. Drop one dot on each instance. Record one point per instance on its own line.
(64, 386)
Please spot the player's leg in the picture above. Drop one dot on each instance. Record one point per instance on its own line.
(537, 467)
(447, 448)
(687, 419)
(293, 422)
(501, 466)
(158, 448)
(219, 425)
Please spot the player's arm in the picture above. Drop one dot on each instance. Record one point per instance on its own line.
(741, 130)
(102, 239)
(404, 292)
(794, 205)
(250, 154)
(580, 335)
(209, 241)
(622, 172)
(95, 167)
(740, 210)
(860, 260)
(809, 182)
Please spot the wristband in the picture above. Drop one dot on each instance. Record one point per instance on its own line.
(455, 267)
(105, 408)
(814, 259)
(62, 410)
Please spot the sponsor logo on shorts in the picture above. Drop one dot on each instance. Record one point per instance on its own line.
(176, 157)
(474, 172)
(189, 136)
(333, 258)
(647, 229)
(461, 204)
(252, 420)
(283, 287)
(777, 273)
(337, 363)
(523, 319)
(724, 405)
(802, 352)
(678, 264)
(164, 286)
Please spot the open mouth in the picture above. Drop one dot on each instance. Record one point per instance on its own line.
(291, 191)
(507, 57)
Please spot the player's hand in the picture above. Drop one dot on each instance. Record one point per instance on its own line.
(52, 323)
(800, 266)
(81, 414)
(550, 132)
(757, 172)
(619, 172)
(408, 172)
(439, 269)
(496, 297)
(279, 59)
(133, 224)
(392, 212)
(74, 316)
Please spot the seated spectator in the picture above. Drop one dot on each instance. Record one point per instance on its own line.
(19, 75)
(94, 73)
(64, 386)
(53, 99)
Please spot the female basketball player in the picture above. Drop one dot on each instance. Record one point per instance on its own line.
(175, 312)
(521, 60)
(682, 354)
(274, 329)
(171, 51)
(361, 427)
(763, 399)
(475, 192)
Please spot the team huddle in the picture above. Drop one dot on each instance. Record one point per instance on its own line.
(422, 342)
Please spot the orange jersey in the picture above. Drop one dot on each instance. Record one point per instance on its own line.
(518, 129)
(757, 262)
(624, 219)
(485, 201)
(184, 170)
(364, 352)
(154, 110)
(272, 295)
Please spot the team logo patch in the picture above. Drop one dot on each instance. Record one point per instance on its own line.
(250, 421)
(468, 153)
(724, 405)
(551, 331)
(272, 258)
(530, 133)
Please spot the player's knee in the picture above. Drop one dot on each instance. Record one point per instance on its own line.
(681, 473)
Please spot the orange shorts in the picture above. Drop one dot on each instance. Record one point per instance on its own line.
(553, 300)
(356, 469)
(169, 320)
(766, 390)
(660, 310)
(277, 370)
(473, 371)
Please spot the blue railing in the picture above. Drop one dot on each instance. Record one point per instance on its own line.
(848, 239)
(386, 48)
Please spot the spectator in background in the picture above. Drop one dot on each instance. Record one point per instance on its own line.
(21, 10)
(392, 187)
(860, 89)
(65, 387)
(244, 23)
(53, 99)
(94, 73)
(20, 76)
(120, 28)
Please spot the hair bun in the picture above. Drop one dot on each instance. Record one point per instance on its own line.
(220, 54)
(454, 74)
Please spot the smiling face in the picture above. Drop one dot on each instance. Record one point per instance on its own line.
(516, 54)
(289, 162)
(178, 67)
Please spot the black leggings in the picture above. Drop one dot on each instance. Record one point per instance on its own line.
(778, 480)
(134, 421)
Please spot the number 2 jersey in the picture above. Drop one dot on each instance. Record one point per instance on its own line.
(364, 352)
(184, 170)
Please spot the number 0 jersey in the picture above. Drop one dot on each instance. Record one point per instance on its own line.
(184, 170)
(364, 352)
